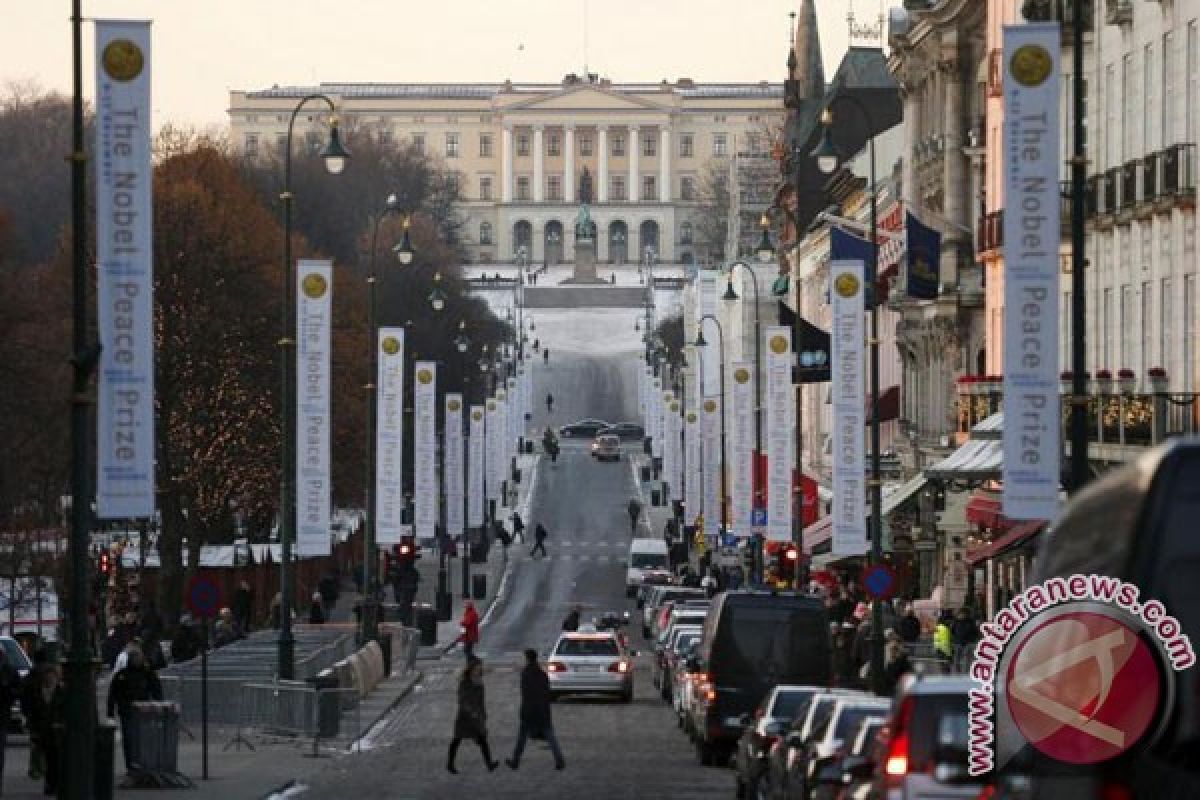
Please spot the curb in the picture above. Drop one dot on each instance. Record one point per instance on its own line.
(412, 679)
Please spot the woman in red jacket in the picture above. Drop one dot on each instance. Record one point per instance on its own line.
(470, 629)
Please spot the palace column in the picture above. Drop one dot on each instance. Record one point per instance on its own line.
(632, 193)
(602, 177)
(664, 164)
(569, 164)
(539, 180)
(506, 156)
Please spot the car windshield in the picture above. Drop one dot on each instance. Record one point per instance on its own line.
(862, 746)
(686, 641)
(848, 721)
(648, 560)
(787, 703)
(587, 647)
(16, 656)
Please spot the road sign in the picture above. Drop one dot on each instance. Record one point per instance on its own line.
(203, 597)
(879, 581)
(758, 518)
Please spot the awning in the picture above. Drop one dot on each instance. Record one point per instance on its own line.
(816, 536)
(977, 460)
(984, 508)
(895, 498)
(1016, 535)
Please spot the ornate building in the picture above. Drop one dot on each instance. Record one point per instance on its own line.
(524, 152)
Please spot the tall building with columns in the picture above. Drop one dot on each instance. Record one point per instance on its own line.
(527, 154)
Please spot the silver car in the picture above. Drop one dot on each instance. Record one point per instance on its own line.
(588, 661)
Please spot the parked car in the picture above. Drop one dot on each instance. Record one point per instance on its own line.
(1138, 524)
(925, 755)
(790, 748)
(762, 730)
(849, 777)
(625, 431)
(656, 596)
(582, 427)
(589, 661)
(827, 741)
(606, 447)
(683, 645)
(683, 687)
(667, 614)
(664, 651)
(752, 641)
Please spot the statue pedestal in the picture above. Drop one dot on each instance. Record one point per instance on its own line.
(585, 261)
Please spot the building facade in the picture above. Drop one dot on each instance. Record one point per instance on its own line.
(528, 154)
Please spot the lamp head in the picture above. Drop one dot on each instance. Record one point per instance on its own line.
(404, 250)
(333, 154)
(437, 298)
(392, 205)
(765, 251)
(730, 295)
(700, 341)
(825, 153)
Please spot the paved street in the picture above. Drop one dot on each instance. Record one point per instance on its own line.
(612, 750)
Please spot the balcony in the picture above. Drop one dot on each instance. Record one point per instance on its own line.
(1115, 421)
(1179, 174)
(1128, 194)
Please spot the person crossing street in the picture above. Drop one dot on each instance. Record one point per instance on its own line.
(535, 720)
(471, 720)
(539, 540)
(635, 513)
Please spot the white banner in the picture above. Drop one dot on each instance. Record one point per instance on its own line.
(124, 260)
(778, 428)
(425, 482)
(475, 469)
(710, 360)
(314, 317)
(514, 416)
(389, 437)
(674, 447)
(1032, 414)
(710, 419)
(693, 496)
(656, 416)
(668, 454)
(849, 416)
(452, 464)
(641, 388)
(493, 448)
(741, 448)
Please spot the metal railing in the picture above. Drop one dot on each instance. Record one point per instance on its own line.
(295, 711)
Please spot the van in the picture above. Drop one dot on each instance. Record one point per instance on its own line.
(645, 555)
(754, 640)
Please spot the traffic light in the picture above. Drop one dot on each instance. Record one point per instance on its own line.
(789, 559)
(105, 563)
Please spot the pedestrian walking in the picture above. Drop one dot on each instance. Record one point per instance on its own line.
(549, 404)
(539, 540)
(943, 639)
(518, 527)
(895, 662)
(10, 690)
(225, 631)
(535, 721)
(137, 683)
(316, 610)
(187, 641)
(469, 629)
(328, 587)
(243, 607)
(471, 720)
(963, 633)
(635, 513)
(908, 626)
(43, 702)
(571, 622)
(546, 356)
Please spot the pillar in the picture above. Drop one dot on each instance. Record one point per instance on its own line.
(664, 165)
(602, 177)
(634, 145)
(506, 156)
(569, 164)
(955, 176)
(539, 177)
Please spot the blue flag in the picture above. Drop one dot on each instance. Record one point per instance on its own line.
(922, 259)
(845, 246)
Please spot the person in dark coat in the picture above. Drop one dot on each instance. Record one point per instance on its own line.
(471, 720)
(518, 527)
(187, 641)
(43, 702)
(137, 683)
(535, 712)
(908, 626)
(539, 538)
(316, 610)
(329, 593)
(571, 622)
(243, 607)
(895, 662)
(10, 690)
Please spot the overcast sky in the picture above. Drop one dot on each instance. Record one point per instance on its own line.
(204, 49)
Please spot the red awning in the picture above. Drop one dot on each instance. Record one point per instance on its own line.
(984, 509)
(1017, 534)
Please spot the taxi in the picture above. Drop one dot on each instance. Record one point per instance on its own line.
(591, 661)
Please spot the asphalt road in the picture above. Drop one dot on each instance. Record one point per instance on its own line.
(612, 750)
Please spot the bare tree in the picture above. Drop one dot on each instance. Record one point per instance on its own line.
(712, 212)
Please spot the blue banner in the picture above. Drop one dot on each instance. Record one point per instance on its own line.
(922, 259)
(844, 246)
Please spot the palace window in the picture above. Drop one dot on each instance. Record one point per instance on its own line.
(687, 188)
(251, 148)
(485, 233)
(523, 188)
(685, 233)
(485, 187)
(618, 144)
(687, 145)
(451, 145)
(720, 144)
(585, 144)
(553, 145)
(649, 145)
(618, 188)
(554, 188)
(418, 143)
(649, 188)
(485, 145)
(522, 144)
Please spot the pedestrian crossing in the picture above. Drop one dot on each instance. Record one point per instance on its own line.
(595, 558)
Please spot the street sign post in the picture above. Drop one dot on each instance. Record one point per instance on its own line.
(879, 581)
(203, 598)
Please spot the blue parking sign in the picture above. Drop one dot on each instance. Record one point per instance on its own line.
(758, 518)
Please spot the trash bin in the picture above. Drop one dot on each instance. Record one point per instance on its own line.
(425, 621)
(479, 586)
(645, 473)
(655, 497)
(106, 735)
(329, 709)
(156, 736)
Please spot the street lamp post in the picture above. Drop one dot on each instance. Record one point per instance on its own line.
(462, 344)
(404, 254)
(732, 296)
(335, 157)
(700, 342)
(80, 677)
(827, 161)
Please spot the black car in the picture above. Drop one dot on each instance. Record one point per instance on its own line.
(752, 641)
(626, 431)
(582, 427)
